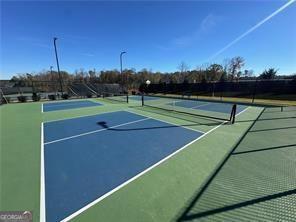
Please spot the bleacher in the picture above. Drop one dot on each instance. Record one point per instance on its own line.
(93, 89)
(81, 89)
(109, 88)
(16, 90)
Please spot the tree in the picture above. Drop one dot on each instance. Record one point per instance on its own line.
(214, 72)
(293, 78)
(234, 67)
(248, 73)
(183, 67)
(92, 75)
(223, 77)
(268, 74)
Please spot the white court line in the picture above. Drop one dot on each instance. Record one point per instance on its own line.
(242, 111)
(72, 103)
(41, 107)
(59, 103)
(199, 105)
(65, 101)
(42, 180)
(135, 177)
(190, 101)
(56, 120)
(95, 131)
(164, 121)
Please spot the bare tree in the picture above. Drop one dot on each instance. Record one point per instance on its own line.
(183, 67)
(234, 67)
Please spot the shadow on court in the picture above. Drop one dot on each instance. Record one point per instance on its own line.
(104, 125)
(256, 182)
(194, 122)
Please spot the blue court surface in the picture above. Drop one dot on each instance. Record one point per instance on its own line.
(87, 157)
(208, 106)
(54, 106)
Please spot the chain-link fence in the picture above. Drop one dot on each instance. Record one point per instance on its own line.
(250, 90)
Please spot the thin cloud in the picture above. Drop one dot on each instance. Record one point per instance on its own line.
(208, 23)
(205, 26)
(252, 29)
(182, 41)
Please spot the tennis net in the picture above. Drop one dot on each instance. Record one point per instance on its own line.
(213, 110)
(116, 97)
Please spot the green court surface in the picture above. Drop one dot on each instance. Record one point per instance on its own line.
(239, 172)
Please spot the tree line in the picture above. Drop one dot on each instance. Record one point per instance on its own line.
(230, 70)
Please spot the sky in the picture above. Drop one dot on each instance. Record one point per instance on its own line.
(156, 35)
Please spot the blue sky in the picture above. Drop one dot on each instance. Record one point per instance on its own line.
(156, 35)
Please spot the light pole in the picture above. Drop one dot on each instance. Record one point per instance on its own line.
(121, 54)
(58, 66)
(52, 81)
(121, 61)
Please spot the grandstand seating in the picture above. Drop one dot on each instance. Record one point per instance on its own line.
(84, 89)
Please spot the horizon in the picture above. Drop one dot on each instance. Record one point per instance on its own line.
(92, 35)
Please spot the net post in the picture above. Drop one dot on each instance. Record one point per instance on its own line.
(126, 98)
(233, 113)
(142, 99)
(282, 108)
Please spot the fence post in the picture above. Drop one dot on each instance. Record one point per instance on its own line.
(254, 92)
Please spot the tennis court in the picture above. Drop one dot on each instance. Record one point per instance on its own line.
(208, 106)
(98, 147)
(55, 106)
(215, 110)
(112, 148)
(100, 161)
